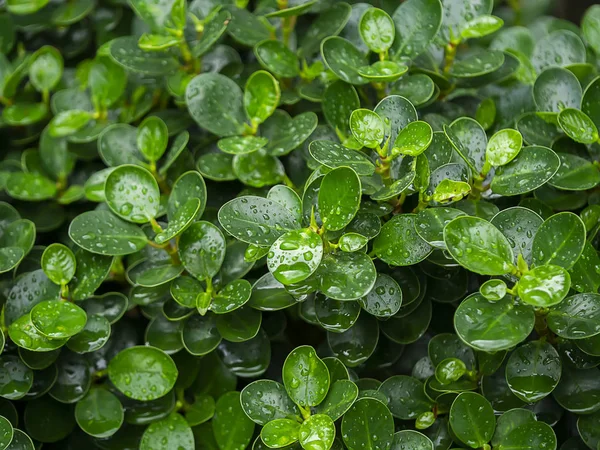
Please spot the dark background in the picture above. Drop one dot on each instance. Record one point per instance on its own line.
(572, 9)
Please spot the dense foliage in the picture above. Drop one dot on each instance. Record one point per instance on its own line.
(299, 224)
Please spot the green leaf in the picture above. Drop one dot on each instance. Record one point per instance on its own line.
(47, 420)
(459, 12)
(450, 370)
(256, 220)
(58, 263)
(90, 272)
(152, 138)
(117, 145)
(24, 7)
(356, 344)
(264, 401)
(559, 240)
(189, 184)
(214, 27)
(377, 30)
(340, 398)
(576, 317)
(413, 140)
(335, 315)
(66, 123)
(7, 432)
(416, 22)
(334, 155)
(575, 173)
(232, 296)
(478, 246)
(258, 169)
(411, 439)
(448, 191)
(396, 188)
(93, 337)
(533, 371)
(317, 432)
(477, 64)
(351, 242)
(215, 102)
(276, 57)
(481, 26)
(329, 23)
(544, 286)
(143, 373)
(532, 168)
(530, 436)
(107, 81)
(366, 418)
(152, 42)
(493, 290)
(261, 96)
(398, 244)
(430, 224)
(560, 48)
(556, 89)
(25, 335)
(469, 139)
(157, 15)
(239, 325)
(280, 433)
(590, 27)
(201, 411)
(15, 377)
(492, 326)
(588, 429)
(343, 59)
(100, 413)
(578, 390)
(339, 198)
(246, 28)
(286, 133)
(346, 276)
(295, 256)
(384, 299)
(23, 114)
(132, 193)
(367, 127)
(232, 429)
(305, 377)
(584, 277)
(30, 187)
(173, 431)
(472, 419)
(46, 69)
(200, 335)
(406, 396)
(503, 147)
(58, 319)
(180, 220)
(339, 100)
(578, 126)
(202, 249)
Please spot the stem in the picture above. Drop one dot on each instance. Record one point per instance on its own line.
(64, 292)
(288, 27)
(155, 226)
(185, 51)
(173, 253)
(449, 56)
(379, 89)
(516, 7)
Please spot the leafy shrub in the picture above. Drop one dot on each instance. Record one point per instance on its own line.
(302, 224)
